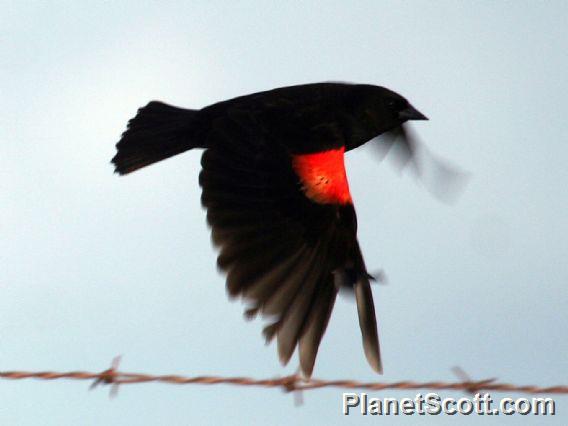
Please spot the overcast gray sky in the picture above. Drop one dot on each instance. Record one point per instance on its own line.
(93, 265)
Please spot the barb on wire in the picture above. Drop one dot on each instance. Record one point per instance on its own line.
(108, 377)
(473, 386)
(294, 383)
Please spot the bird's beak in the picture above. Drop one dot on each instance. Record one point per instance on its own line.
(411, 113)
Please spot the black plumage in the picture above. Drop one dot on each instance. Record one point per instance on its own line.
(277, 198)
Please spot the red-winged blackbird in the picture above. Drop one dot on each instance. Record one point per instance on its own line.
(277, 197)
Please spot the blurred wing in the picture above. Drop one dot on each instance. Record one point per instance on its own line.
(397, 143)
(444, 180)
(280, 249)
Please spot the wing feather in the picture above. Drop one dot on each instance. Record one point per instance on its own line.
(280, 249)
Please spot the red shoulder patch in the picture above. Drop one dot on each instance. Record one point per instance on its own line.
(323, 176)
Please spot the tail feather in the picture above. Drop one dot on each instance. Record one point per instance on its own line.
(158, 131)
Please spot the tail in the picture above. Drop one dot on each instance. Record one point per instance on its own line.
(158, 131)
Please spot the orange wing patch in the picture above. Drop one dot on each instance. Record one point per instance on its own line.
(323, 176)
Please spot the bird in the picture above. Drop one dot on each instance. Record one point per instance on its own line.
(278, 202)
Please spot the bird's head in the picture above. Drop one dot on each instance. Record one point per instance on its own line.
(385, 112)
(384, 109)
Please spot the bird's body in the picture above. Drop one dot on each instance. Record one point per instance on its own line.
(277, 197)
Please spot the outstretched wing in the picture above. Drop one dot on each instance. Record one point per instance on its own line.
(444, 180)
(286, 230)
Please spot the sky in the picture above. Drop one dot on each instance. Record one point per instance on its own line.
(93, 265)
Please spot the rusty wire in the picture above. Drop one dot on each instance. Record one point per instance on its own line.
(294, 382)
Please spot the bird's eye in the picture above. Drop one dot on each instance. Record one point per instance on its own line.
(396, 105)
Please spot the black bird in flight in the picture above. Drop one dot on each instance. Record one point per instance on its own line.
(277, 197)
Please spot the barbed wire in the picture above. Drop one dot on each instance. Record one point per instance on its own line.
(295, 382)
